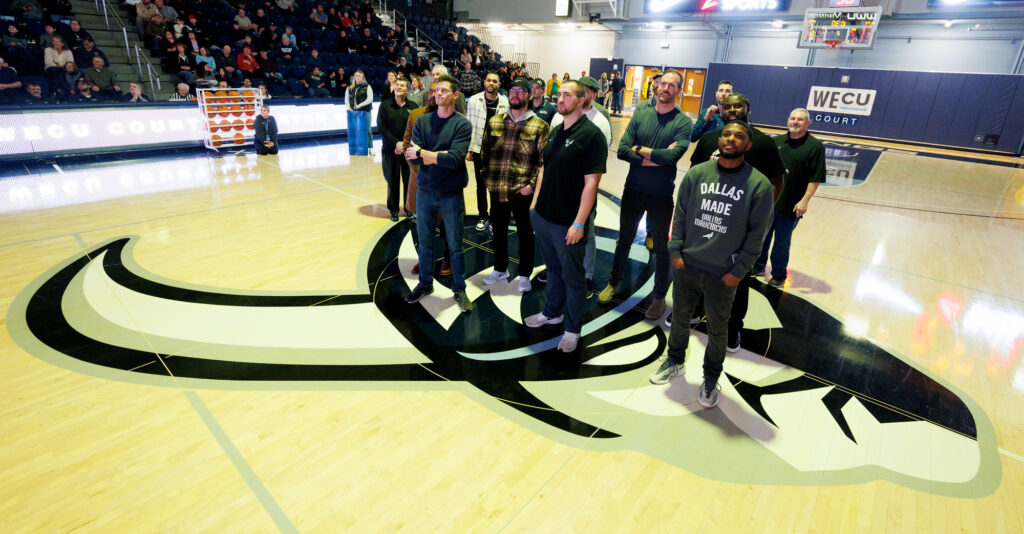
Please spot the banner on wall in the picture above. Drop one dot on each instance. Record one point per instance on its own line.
(834, 104)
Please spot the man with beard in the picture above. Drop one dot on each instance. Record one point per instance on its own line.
(804, 156)
(710, 119)
(479, 109)
(763, 156)
(653, 89)
(538, 104)
(722, 213)
(440, 141)
(392, 116)
(510, 157)
(574, 160)
(654, 140)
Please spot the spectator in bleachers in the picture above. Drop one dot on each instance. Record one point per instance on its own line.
(34, 95)
(465, 57)
(346, 21)
(260, 18)
(292, 38)
(204, 58)
(315, 83)
(407, 54)
(167, 46)
(10, 84)
(391, 55)
(166, 11)
(368, 44)
(469, 82)
(243, 21)
(343, 43)
(314, 60)
(266, 132)
(155, 30)
(269, 38)
(318, 17)
(57, 9)
(204, 76)
(75, 34)
(223, 84)
(267, 66)
(55, 57)
(22, 59)
(246, 62)
(84, 55)
(403, 70)
(84, 94)
(66, 83)
(30, 10)
(134, 94)
(12, 37)
(264, 92)
(192, 42)
(226, 62)
(144, 13)
(287, 52)
(182, 94)
(46, 39)
(245, 41)
(338, 83)
(200, 35)
(180, 29)
(286, 5)
(247, 83)
(102, 80)
(183, 64)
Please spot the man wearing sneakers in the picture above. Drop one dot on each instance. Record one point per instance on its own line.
(763, 156)
(574, 160)
(479, 109)
(722, 213)
(654, 140)
(511, 154)
(804, 156)
(440, 141)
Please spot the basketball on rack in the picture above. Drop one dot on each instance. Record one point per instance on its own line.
(249, 124)
(239, 138)
(215, 140)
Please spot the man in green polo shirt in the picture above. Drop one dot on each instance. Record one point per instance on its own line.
(804, 157)
(574, 160)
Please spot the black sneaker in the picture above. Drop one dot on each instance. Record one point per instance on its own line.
(668, 321)
(394, 216)
(419, 292)
(777, 281)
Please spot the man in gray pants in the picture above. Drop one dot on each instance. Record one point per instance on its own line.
(722, 213)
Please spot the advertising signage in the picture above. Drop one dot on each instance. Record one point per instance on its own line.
(655, 7)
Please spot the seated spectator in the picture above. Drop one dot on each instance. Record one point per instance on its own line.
(343, 43)
(166, 11)
(247, 41)
(29, 10)
(102, 80)
(319, 17)
(134, 94)
(315, 83)
(84, 55)
(407, 54)
(193, 44)
(57, 9)
(46, 39)
(155, 30)
(286, 5)
(10, 84)
(21, 57)
(227, 63)
(204, 58)
(260, 18)
(403, 70)
(338, 83)
(13, 38)
(182, 94)
(55, 57)
(267, 66)
(204, 76)
(246, 62)
(263, 91)
(168, 46)
(333, 19)
(314, 60)
(223, 85)
(243, 21)
(180, 29)
(266, 133)
(193, 23)
(346, 21)
(269, 38)
(144, 13)
(34, 96)
(368, 44)
(288, 32)
(247, 83)
(66, 84)
(75, 35)
(84, 94)
(183, 64)
(391, 55)
(287, 51)
(465, 57)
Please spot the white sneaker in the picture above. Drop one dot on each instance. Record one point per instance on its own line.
(494, 277)
(708, 396)
(540, 319)
(524, 284)
(568, 342)
(666, 371)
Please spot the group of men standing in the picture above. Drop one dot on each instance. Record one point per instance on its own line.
(542, 164)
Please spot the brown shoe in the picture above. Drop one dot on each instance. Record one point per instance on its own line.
(655, 310)
(446, 269)
(416, 268)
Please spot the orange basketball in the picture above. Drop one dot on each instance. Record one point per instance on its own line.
(238, 125)
(249, 123)
(222, 111)
(239, 138)
(215, 140)
(234, 94)
(220, 94)
(223, 126)
(248, 109)
(249, 96)
(236, 110)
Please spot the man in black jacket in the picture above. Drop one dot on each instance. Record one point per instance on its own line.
(392, 116)
(266, 133)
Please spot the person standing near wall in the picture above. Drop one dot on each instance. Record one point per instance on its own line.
(804, 156)
(618, 91)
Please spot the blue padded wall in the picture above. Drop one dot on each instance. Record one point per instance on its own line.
(951, 109)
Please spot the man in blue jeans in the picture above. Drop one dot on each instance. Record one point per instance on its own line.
(574, 160)
(722, 213)
(618, 90)
(804, 157)
(440, 141)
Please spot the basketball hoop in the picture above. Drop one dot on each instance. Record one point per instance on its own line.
(831, 51)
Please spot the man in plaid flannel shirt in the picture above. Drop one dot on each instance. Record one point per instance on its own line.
(511, 154)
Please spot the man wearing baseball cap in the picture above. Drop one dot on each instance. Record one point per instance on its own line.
(538, 105)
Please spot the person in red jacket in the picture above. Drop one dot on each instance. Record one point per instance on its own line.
(247, 62)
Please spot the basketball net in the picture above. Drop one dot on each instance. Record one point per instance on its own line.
(832, 51)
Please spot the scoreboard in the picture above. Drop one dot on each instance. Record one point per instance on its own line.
(853, 27)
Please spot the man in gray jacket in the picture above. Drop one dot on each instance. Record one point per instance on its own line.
(722, 213)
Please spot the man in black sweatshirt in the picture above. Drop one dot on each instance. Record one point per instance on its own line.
(722, 213)
(440, 141)
(392, 116)
(654, 140)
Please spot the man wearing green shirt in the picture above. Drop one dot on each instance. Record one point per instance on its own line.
(541, 107)
(653, 142)
(804, 157)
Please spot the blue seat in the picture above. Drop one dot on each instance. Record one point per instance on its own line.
(295, 87)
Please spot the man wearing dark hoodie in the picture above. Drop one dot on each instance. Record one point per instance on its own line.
(440, 141)
(722, 213)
